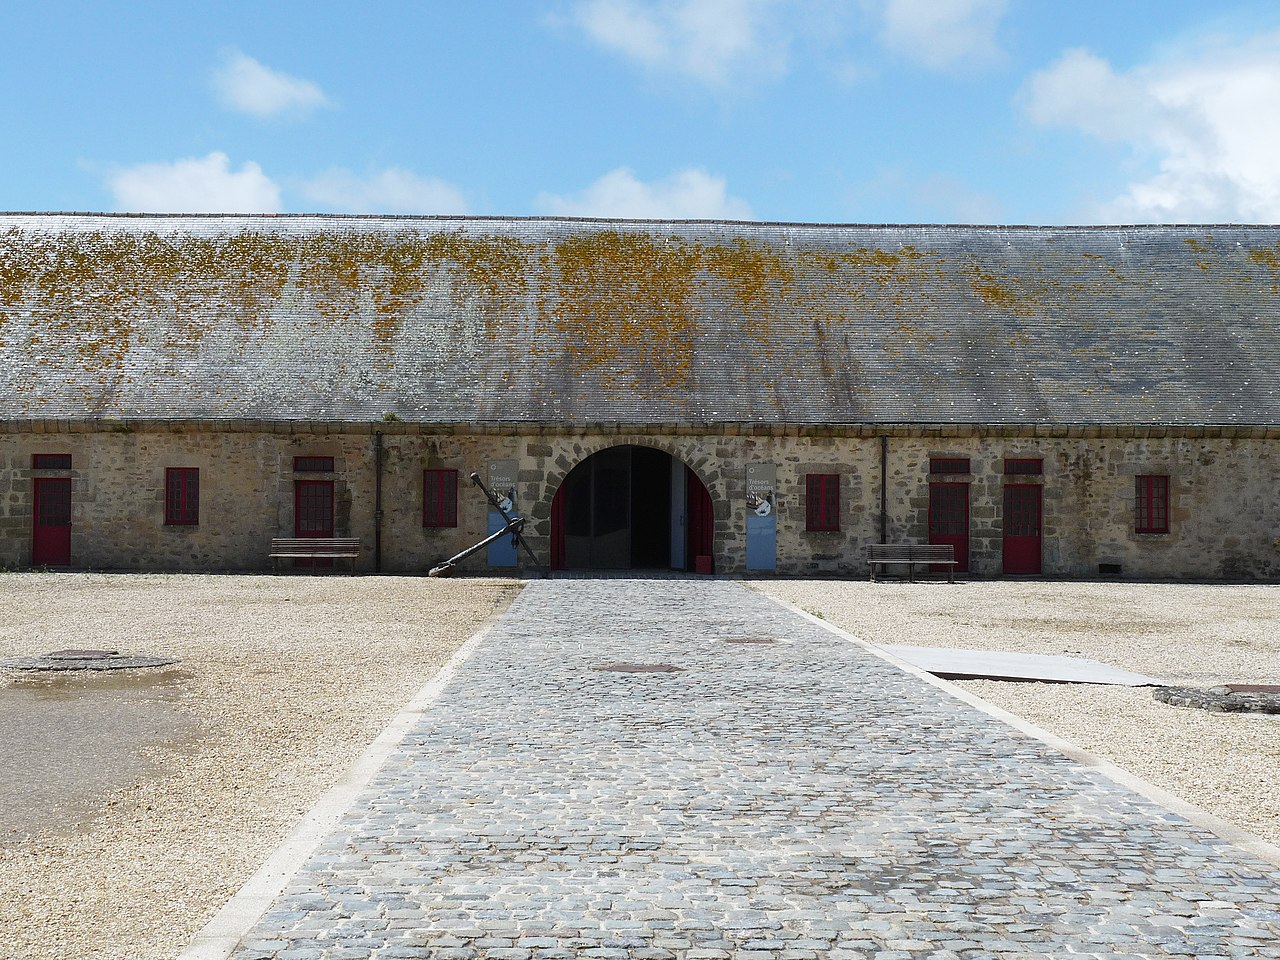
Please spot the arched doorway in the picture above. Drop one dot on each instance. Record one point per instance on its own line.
(631, 508)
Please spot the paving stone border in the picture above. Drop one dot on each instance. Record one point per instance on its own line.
(1221, 699)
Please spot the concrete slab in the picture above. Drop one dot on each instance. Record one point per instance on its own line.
(956, 663)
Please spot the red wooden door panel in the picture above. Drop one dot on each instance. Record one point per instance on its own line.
(313, 514)
(51, 531)
(1021, 528)
(701, 520)
(949, 520)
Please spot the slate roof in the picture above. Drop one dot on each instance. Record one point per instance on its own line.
(592, 321)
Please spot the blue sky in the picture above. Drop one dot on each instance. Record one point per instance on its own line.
(984, 111)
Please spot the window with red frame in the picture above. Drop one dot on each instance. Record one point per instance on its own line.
(51, 461)
(439, 498)
(822, 501)
(949, 465)
(182, 496)
(1152, 504)
(313, 464)
(1023, 466)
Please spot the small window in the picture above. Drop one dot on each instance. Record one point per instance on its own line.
(822, 510)
(439, 498)
(1023, 466)
(313, 464)
(51, 461)
(948, 464)
(181, 496)
(1152, 504)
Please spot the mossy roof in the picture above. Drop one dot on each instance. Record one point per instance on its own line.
(560, 321)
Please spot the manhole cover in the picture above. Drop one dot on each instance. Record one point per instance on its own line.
(74, 659)
(638, 668)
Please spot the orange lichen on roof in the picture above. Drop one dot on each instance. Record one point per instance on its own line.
(623, 309)
(892, 282)
(338, 270)
(1268, 257)
(1200, 247)
(15, 270)
(1005, 293)
(106, 285)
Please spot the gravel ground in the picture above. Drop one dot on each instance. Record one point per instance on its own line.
(282, 683)
(1183, 634)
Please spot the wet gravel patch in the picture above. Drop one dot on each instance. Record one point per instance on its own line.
(67, 741)
(187, 788)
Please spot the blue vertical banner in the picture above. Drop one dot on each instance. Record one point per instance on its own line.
(502, 481)
(762, 516)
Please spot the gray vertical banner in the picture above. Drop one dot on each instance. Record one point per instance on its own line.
(762, 516)
(502, 481)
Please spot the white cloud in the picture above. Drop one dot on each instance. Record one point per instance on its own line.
(710, 41)
(246, 85)
(1209, 118)
(943, 34)
(393, 190)
(195, 185)
(691, 194)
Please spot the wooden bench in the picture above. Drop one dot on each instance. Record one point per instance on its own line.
(911, 554)
(314, 548)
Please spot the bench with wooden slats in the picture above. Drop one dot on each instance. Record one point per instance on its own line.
(911, 554)
(314, 548)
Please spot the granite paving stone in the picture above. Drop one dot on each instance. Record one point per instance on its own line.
(769, 801)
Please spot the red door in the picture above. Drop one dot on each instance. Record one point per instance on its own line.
(1021, 528)
(949, 520)
(700, 517)
(313, 514)
(51, 532)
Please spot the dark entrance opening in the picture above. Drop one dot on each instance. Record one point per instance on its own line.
(630, 508)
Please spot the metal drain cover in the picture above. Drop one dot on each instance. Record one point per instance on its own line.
(638, 668)
(74, 659)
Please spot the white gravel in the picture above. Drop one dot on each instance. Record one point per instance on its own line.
(284, 681)
(1182, 634)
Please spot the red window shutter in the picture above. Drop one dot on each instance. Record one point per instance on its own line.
(182, 496)
(439, 498)
(822, 501)
(1151, 502)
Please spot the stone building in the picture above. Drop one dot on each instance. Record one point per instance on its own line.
(1076, 401)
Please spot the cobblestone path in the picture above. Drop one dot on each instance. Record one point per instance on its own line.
(787, 795)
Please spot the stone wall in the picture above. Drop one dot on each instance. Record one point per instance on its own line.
(1225, 515)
